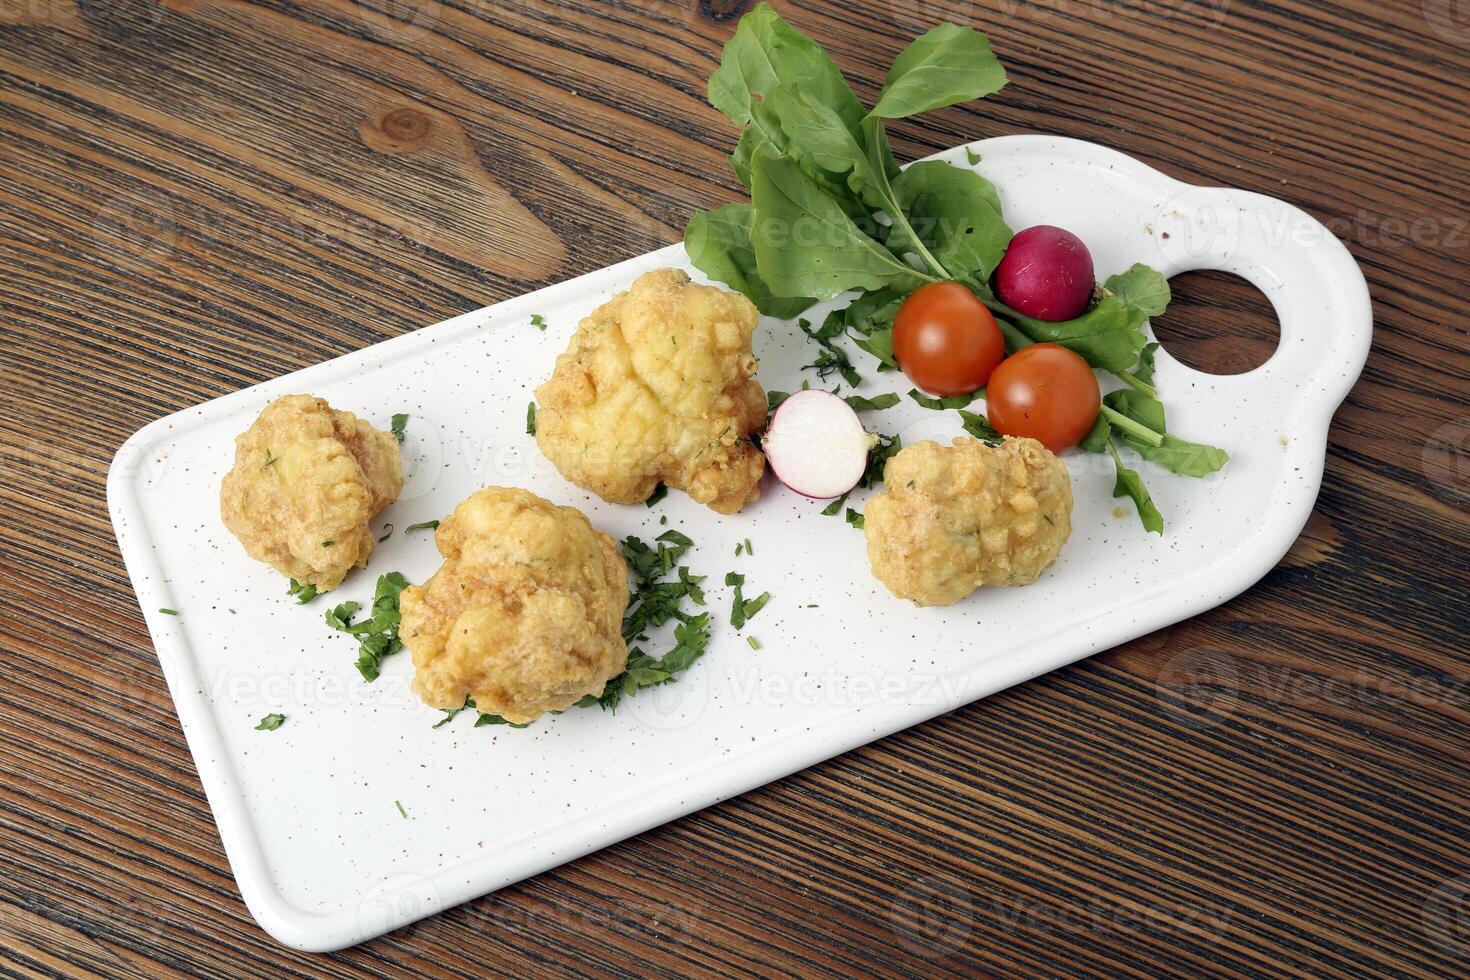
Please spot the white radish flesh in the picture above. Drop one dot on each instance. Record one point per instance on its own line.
(816, 445)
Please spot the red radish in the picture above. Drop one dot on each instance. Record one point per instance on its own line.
(816, 445)
(1046, 274)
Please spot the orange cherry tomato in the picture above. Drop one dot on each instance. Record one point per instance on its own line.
(1044, 392)
(945, 339)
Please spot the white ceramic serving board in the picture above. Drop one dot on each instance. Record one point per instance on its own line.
(309, 813)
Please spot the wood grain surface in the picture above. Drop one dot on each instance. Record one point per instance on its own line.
(197, 195)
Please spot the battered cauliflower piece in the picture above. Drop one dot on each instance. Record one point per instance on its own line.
(658, 385)
(307, 480)
(954, 518)
(526, 613)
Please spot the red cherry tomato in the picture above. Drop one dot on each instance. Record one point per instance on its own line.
(945, 339)
(1044, 392)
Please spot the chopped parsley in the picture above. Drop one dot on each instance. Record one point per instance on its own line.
(887, 448)
(400, 422)
(753, 642)
(422, 526)
(328, 544)
(749, 548)
(659, 492)
(480, 722)
(169, 612)
(270, 723)
(861, 404)
(401, 811)
(377, 635)
(655, 602)
(831, 359)
(835, 506)
(531, 419)
(940, 404)
(979, 426)
(538, 321)
(270, 459)
(775, 398)
(854, 518)
(972, 156)
(741, 608)
(303, 591)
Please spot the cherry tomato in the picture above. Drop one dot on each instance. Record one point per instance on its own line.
(1044, 392)
(945, 339)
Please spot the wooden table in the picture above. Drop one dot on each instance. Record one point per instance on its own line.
(203, 194)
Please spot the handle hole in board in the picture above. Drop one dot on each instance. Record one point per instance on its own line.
(1218, 323)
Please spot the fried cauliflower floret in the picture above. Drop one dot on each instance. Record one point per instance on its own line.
(526, 613)
(954, 518)
(658, 385)
(307, 480)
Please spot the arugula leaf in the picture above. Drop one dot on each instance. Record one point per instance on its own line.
(1107, 336)
(1142, 288)
(271, 722)
(1173, 453)
(956, 213)
(861, 404)
(1097, 440)
(718, 244)
(806, 244)
(303, 591)
(422, 526)
(942, 404)
(979, 426)
(767, 51)
(1144, 371)
(400, 423)
(944, 66)
(531, 419)
(1129, 483)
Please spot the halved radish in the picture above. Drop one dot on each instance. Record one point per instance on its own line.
(816, 445)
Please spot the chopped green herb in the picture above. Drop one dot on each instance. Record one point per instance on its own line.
(169, 612)
(270, 459)
(401, 811)
(861, 404)
(749, 548)
(400, 421)
(854, 518)
(831, 357)
(835, 506)
(378, 634)
(885, 449)
(538, 321)
(304, 592)
(531, 419)
(972, 156)
(340, 617)
(663, 518)
(753, 642)
(328, 544)
(940, 404)
(775, 398)
(739, 548)
(422, 526)
(741, 608)
(270, 723)
(659, 492)
(979, 426)
(387, 533)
